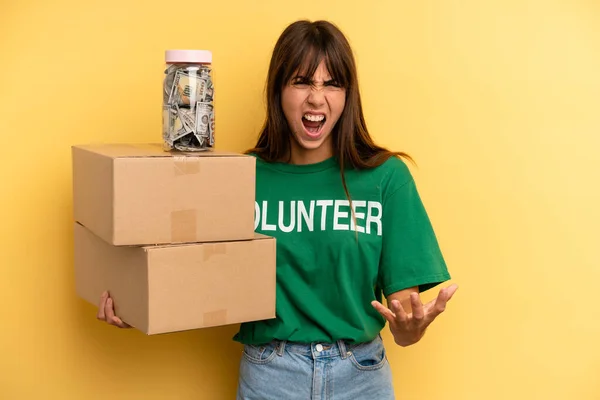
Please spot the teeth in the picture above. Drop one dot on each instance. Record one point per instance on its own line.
(314, 118)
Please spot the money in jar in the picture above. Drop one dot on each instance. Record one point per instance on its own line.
(188, 111)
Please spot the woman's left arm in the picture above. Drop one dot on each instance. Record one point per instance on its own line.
(408, 316)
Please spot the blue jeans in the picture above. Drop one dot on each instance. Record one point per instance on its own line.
(284, 370)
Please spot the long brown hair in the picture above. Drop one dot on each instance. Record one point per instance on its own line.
(303, 45)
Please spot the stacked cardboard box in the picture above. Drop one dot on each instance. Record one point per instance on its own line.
(171, 236)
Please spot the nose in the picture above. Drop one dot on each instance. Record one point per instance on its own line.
(316, 97)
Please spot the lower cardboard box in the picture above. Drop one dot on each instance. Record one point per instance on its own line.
(171, 288)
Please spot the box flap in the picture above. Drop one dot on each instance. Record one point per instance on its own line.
(257, 236)
(130, 150)
(260, 236)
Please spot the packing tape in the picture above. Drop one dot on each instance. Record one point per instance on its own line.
(213, 248)
(184, 222)
(186, 165)
(215, 318)
(183, 225)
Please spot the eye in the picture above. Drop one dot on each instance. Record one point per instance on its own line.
(333, 84)
(300, 81)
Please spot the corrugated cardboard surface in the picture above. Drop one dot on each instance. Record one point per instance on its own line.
(139, 194)
(170, 288)
(129, 150)
(93, 192)
(100, 266)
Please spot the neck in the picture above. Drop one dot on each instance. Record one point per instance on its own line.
(302, 156)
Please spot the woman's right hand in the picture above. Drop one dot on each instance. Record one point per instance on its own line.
(106, 312)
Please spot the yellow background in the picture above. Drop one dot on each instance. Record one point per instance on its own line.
(498, 101)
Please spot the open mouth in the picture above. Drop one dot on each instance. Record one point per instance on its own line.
(313, 123)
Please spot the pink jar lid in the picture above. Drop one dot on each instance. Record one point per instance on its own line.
(188, 56)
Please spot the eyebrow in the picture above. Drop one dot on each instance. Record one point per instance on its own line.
(307, 79)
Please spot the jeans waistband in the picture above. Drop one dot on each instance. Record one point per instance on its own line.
(339, 348)
(316, 349)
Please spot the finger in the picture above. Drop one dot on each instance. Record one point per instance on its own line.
(109, 311)
(429, 306)
(417, 306)
(437, 305)
(111, 318)
(119, 322)
(443, 298)
(450, 290)
(401, 314)
(101, 315)
(384, 311)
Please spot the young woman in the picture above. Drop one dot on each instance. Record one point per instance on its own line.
(350, 226)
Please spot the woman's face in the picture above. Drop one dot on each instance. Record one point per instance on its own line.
(312, 107)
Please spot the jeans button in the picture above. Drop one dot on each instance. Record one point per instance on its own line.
(319, 347)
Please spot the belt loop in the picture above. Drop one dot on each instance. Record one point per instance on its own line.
(280, 348)
(343, 350)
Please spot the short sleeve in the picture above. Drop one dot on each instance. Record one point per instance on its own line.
(411, 255)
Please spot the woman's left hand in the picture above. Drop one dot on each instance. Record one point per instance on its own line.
(409, 328)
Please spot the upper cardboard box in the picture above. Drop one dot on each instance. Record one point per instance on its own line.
(125, 150)
(138, 194)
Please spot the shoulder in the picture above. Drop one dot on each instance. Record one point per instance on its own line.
(260, 162)
(395, 174)
(396, 166)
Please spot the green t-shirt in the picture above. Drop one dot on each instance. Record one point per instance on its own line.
(330, 268)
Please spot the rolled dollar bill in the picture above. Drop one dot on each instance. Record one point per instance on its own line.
(203, 113)
(211, 129)
(205, 73)
(168, 82)
(187, 88)
(166, 123)
(210, 92)
(177, 125)
(190, 142)
(187, 117)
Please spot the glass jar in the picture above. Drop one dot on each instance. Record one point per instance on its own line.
(188, 92)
